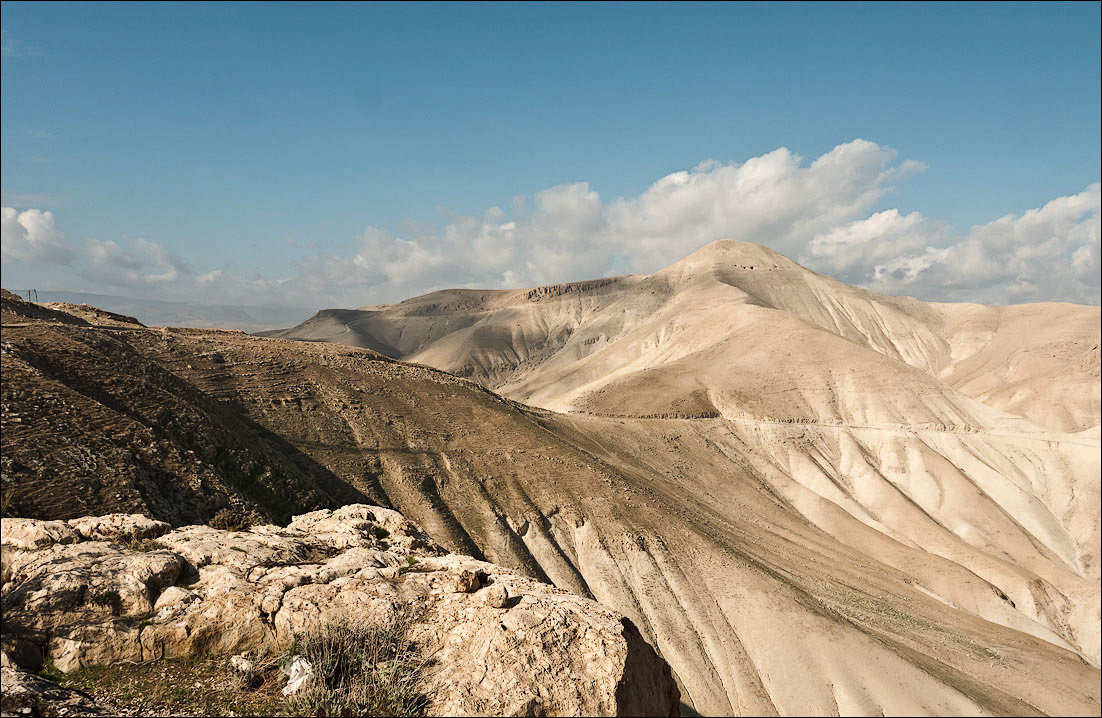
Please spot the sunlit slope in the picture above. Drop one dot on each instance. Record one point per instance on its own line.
(756, 403)
(727, 309)
(757, 607)
(1040, 361)
(775, 574)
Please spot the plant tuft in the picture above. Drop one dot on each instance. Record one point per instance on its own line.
(360, 669)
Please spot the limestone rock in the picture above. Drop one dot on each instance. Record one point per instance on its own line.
(27, 694)
(467, 582)
(174, 597)
(32, 534)
(550, 653)
(241, 663)
(118, 527)
(496, 596)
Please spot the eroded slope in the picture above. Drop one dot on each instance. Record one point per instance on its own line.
(780, 567)
(728, 305)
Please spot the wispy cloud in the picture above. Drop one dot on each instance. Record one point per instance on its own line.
(13, 47)
(140, 263)
(27, 199)
(818, 212)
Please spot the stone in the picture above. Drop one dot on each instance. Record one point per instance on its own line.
(174, 597)
(25, 693)
(553, 653)
(241, 663)
(496, 596)
(467, 582)
(33, 534)
(124, 527)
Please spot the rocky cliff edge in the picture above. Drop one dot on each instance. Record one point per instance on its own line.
(126, 588)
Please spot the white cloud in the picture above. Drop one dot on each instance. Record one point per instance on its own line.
(140, 264)
(849, 251)
(773, 199)
(1050, 253)
(14, 47)
(31, 236)
(567, 232)
(819, 213)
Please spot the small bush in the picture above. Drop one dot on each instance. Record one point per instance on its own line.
(360, 670)
(411, 564)
(232, 519)
(142, 545)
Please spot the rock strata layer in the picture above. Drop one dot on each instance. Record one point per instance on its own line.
(96, 591)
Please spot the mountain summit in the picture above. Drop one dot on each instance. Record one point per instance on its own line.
(699, 334)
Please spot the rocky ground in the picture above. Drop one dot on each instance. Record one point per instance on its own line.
(125, 589)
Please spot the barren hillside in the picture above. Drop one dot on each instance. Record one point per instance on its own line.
(841, 531)
(710, 333)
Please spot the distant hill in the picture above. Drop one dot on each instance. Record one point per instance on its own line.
(741, 331)
(160, 313)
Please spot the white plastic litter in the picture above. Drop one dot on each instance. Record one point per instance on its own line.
(241, 663)
(299, 674)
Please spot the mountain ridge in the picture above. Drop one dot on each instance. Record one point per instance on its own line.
(553, 355)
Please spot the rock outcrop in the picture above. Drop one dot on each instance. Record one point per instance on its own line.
(499, 643)
(26, 694)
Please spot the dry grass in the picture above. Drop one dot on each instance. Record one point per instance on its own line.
(197, 686)
(360, 669)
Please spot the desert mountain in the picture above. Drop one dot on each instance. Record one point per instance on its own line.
(808, 497)
(738, 330)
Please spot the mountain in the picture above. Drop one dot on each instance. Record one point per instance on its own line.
(163, 313)
(808, 497)
(714, 333)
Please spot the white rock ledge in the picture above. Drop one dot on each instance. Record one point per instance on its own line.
(500, 643)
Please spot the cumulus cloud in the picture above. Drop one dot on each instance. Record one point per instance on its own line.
(773, 199)
(31, 236)
(851, 251)
(140, 263)
(821, 213)
(568, 232)
(1049, 253)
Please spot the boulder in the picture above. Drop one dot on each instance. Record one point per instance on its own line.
(118, 527)
(467, 582)
(27, 694)
(32, 534)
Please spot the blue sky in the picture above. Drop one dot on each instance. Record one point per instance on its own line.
(269, 144)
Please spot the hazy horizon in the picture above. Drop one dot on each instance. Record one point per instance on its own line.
(291, 156)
